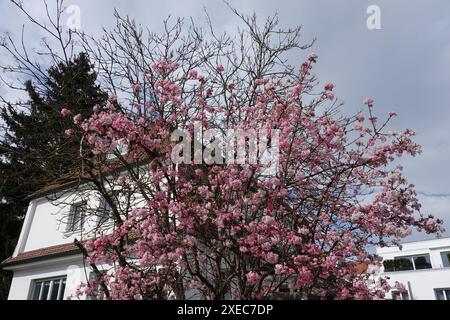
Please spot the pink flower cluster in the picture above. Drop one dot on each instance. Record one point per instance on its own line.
(65, 112)
(204, 225)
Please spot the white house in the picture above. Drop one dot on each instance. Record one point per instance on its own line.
(46, 263)
(423, 267)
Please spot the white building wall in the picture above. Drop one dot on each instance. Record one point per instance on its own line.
(421, 282)
(25, 275)
(46, 229)
(45, 226)
(46, 223)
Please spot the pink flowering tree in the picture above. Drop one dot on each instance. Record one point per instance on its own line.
(222, 229)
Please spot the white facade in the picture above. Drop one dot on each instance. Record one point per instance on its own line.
(26, 275)
(430, 274)
(45, 226)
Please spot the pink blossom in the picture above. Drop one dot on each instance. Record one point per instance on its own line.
(297, 89)
(360, 118)
(121, 180)
(96, 108)
(77, 119)
(220, 68)
(165, 66)
(137, 87)
(343, 294)
(261, 81)
(329, 87)
(193, 74)
(400, 286)
(269, 86)
(373, 269)
(65, 112)
(368, 101)
(310, 220)
(271, 258)
(89, 245)
(253, 277)
(98, 243)
(305, 277)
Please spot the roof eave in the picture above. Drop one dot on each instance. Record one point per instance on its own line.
(5, 265)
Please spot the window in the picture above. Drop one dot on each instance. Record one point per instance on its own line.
(402, 264)
(445, 259)
(397, 295)
(106, 212)
(77, 216)
(417, 262)
(121, 149)
(48, 289)
(442, 294)
(422, 262)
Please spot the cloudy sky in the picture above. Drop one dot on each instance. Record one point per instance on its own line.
(404, 66)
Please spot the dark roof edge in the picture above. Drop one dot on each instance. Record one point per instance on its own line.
(45, 192)
(40, 258)
(79, 181)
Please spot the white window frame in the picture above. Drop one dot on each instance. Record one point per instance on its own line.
(104, 206)
(401, 295)
(72, 225)
(411, 258)
(442, 258)
(421, 255)
(447, 296)
(53, 280)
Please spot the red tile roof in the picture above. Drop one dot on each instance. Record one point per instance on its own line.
(44, 253)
